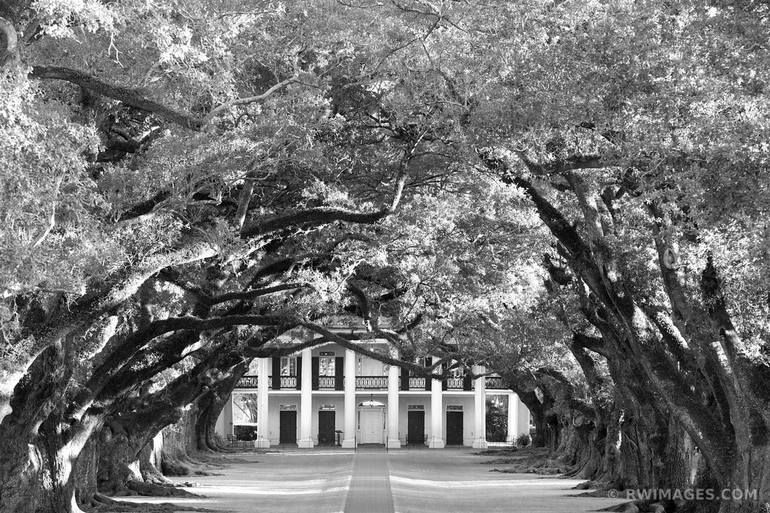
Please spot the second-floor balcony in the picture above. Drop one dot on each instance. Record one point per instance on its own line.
(368, 383)
(248, 382)
(371, 382)
(416, 383)
(455, 383)
(284, 382)
(327, 383)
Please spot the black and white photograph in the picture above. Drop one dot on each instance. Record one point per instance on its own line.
(384, 256)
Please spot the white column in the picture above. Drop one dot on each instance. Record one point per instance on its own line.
(436, 414)
(513, 418)
(263, 371)
(306, 402)
(480, 410)
(393, 440)
(522, 426)
(349, 435)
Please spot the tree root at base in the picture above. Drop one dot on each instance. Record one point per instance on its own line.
(103, 504)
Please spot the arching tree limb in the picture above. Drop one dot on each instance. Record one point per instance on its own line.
(134, 97)
(127, 95)
(311, 217)
(253, 294)
(322, 215)
(414, 369)
(249, 99)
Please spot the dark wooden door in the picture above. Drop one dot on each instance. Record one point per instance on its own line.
(415, 427)
(454, 428)
(326, 428)
(288, 421)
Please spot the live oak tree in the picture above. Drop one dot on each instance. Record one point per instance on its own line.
(636, 132)
(182, 184)
(81, 341)
(627, 190)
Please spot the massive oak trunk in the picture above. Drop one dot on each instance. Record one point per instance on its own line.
(38, 444)
(128, 434)
(209, 407)
(126, 448)
(688, 352)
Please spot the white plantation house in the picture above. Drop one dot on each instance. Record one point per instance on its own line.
(330, 395)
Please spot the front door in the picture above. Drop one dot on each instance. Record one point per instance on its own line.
(371, 426)
(288, 427)
(454, 428)
(415, 427)
(326, 423)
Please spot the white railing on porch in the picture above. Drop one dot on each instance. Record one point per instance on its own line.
(372, 382)
(416, 383)
(327, 382)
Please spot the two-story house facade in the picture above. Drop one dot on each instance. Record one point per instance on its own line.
(329, 395)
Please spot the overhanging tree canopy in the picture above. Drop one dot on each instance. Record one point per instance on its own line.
(509, 182)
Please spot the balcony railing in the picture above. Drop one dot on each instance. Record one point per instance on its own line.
(494, 382)
(455, 383)
(416, 383)
(247, 382)
(367, 383)
(371, 382)
(327, 382)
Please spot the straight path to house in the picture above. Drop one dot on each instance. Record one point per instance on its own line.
(373, 481)
(370, 487)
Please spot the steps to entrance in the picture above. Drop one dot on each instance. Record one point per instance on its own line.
(371, 447)
(370, 486)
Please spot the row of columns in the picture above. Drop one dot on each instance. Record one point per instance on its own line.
(436, 440)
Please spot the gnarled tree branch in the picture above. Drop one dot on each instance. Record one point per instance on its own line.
(137, 99)
(323, 215)
(127, 95)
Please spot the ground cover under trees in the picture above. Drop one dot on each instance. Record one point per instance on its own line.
(574, 194)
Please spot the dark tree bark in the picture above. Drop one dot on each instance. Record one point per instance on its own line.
(210, 406)
(128, 433)
(33, 447)
(710, 392)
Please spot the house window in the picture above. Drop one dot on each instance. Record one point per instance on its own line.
(288, 366)
(245, 416)
(244, 408)
(326, 366)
